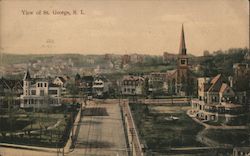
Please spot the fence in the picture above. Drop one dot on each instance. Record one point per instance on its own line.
(133, 137)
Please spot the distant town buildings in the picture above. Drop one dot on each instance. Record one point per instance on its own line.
(169, 58)
(39, 93)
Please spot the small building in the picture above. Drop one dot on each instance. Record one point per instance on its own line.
(85, 84)
(157, 83)
(100, 87)
(39, 93)
(132, 85)
(62, 82)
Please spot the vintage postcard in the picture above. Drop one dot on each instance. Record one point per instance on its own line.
(124, 78)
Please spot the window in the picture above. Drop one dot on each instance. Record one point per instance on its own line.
(53, 92)
(45, 84)
(41, 92)
(215, 99)
(33, 92)
(183, 61)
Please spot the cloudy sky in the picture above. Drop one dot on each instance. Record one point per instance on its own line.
(122, 26)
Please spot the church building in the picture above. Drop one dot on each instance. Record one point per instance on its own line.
(182, 81)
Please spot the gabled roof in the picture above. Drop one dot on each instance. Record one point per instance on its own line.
(27, 75)
(61, 79)
(104, 79)
(216, 83)
(215, 79)
(133, 78)
(224, 87)
(170, 73)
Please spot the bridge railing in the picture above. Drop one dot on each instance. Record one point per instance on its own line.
(133, 137)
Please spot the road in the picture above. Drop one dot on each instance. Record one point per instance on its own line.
(101, 131)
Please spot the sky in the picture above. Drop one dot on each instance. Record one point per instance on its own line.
(122, 26)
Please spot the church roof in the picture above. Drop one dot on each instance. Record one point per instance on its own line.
(182, 50)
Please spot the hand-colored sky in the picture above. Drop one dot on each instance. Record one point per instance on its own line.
(123, 26)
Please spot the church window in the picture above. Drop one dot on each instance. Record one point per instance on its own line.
(183, 62)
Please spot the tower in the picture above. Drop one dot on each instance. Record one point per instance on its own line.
(26, 83)
(182, 57)
(182, 76)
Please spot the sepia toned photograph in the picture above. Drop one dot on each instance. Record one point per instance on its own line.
(124, 78)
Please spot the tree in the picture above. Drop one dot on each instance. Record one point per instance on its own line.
(145, 87)
(72, 89)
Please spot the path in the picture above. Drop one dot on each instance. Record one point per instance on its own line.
(101, 131)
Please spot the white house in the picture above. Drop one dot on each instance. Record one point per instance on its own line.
(39, 93)
(132, 85)
(62, 82)
(100, 86)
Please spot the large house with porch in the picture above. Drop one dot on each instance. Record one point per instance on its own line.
(39, 93)
(219, 101)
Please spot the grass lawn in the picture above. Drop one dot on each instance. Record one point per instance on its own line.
(158, 133)
(233, 137)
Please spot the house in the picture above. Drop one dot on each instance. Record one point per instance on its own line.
(101, 86)
(132, 85)
(85, 84)
(157, 83)
(218, 101)
(62, 82)
(39, 93)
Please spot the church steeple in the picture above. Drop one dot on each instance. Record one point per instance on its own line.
(182, 50)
